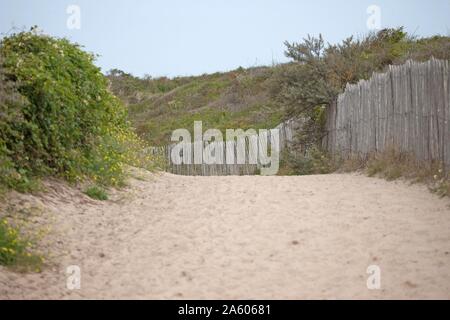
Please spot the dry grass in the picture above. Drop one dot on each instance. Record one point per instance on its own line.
(392, 165)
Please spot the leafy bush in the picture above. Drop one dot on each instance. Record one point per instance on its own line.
(64, 120)
(10, 104)
(97, 193)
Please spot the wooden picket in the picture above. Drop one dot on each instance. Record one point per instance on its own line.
(407, 108)
(222, 168)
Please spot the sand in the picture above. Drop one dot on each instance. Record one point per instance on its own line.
(313, 237)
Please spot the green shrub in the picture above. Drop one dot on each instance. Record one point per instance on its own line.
(97, 193)
(313, 161)
(64, 120)
(15, 250)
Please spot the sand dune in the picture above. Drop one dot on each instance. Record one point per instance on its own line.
(171, 237)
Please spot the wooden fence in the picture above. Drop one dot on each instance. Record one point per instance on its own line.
(248, 167)
(407, 108)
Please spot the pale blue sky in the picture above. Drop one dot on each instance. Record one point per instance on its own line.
(174, 37)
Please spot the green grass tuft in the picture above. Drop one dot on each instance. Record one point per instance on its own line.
(97, 193)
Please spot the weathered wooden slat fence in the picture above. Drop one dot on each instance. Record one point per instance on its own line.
(407, 108)
(247, 167)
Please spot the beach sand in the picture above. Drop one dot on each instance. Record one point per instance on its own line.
(311, 237)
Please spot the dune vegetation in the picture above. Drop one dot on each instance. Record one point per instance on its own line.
(58, 118)
(262, 97)
(235, 99)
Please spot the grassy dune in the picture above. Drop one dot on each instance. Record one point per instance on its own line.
(235, 99)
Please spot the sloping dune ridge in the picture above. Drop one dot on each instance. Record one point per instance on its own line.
(173, 237)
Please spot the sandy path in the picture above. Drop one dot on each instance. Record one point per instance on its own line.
(248, 237)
